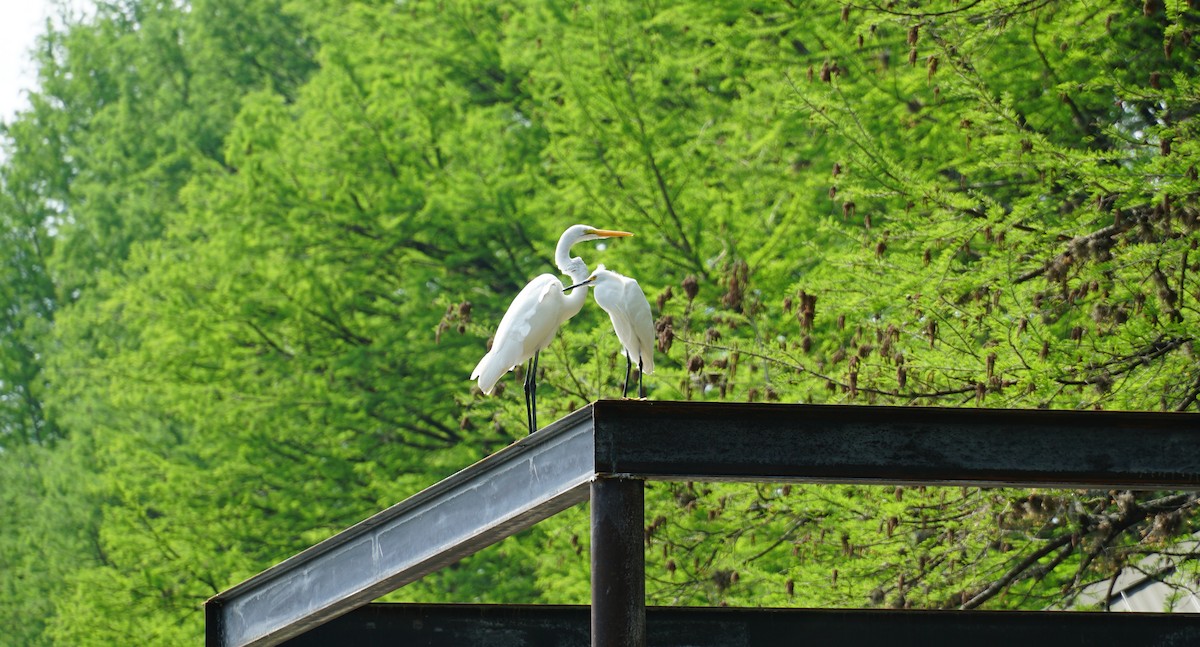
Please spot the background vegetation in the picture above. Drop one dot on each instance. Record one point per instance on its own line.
(251, 250)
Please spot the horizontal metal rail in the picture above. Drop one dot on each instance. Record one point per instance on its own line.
(894, 445)
(470, 625)
(484, 503)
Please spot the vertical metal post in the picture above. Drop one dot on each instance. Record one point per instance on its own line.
(214, 626)
(618, 563)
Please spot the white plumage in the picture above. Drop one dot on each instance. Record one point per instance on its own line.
(534, 316)
(622, 298)
(528, 327)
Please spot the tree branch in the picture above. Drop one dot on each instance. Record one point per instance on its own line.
(1016, 572)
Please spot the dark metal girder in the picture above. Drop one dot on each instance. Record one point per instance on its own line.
(550, 470)
(618, 563)
(451, 625)
(892, 445)
(495, 498)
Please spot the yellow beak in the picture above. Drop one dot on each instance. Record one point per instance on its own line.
(608, 233)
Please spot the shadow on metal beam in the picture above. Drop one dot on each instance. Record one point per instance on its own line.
(453, 625)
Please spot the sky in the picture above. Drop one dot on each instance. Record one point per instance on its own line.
(20, 23)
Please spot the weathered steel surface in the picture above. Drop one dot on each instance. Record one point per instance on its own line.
(380, 625)
(770, 442)
(550, 470)
(618, 563)
(484, 503)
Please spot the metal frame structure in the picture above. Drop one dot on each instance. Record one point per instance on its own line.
(606, 451)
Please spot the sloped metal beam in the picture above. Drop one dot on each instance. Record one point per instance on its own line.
(894, 445)
(497, 497)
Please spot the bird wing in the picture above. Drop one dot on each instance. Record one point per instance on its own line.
(527, 327)
(641, 323)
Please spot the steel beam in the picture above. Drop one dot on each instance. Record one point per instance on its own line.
(893, 445)
(452, 625)
(497, 497)
(618, 563)
(623, 440)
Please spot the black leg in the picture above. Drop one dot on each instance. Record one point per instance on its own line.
(528, 393)
(533, 425)
(641, 389)
(628, 367)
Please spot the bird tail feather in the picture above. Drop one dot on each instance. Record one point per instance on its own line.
(648, 362)
(490, 369)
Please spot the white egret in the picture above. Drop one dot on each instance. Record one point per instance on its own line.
(534, 316)
(622, 298)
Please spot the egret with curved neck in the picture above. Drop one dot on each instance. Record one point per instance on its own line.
(534, 317)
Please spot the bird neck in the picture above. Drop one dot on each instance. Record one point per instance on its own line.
(562, 255)
(573, 302)
(574, 268)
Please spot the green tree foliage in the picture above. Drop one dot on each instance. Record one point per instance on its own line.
(252, 251)
(132, 100)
